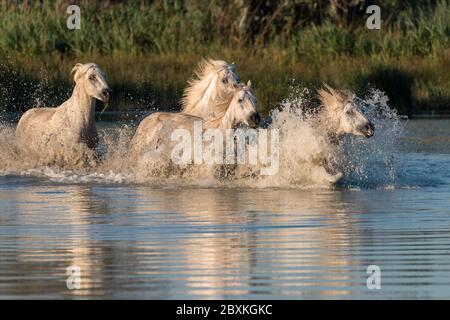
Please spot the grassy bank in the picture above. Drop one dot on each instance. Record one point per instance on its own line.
(149, 50)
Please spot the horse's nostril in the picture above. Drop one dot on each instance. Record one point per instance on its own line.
(256, 118)
(106, 92)
(369, 129)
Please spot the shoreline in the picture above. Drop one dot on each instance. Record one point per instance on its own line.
(138, 115)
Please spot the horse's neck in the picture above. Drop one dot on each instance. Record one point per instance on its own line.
(224, 122)
(81, 106)
(327, 123)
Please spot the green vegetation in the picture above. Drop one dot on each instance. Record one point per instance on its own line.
(150, 48)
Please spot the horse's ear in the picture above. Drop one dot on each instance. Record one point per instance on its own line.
(249, 84)
(75, 68)
(75, 71)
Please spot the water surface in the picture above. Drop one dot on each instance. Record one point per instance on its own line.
(148, 242)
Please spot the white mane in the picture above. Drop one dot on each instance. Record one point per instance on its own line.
(333, 98)
(199, 93)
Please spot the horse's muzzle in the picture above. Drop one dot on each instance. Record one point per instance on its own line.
(369, 130)
(255, 119)
(106, 93)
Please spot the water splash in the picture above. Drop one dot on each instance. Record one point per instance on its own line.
(371, 163)
(308, 159)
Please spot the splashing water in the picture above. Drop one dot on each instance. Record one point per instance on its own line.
(370, 163)
(307, 158)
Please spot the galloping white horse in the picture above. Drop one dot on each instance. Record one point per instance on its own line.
(337, 116)
(153, 135)
(215, 79)
(65, 133)
(340, 115)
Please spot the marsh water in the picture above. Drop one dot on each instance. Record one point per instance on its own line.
(146, 241)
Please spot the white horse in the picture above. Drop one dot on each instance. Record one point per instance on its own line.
(337, 116)
(340, 115)
(215, 79)
(319, 134)
(153, 136)
(65, 133)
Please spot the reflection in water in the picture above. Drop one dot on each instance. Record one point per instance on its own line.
(139, 242)
(241, 249)
(136, 241)
(54, 234)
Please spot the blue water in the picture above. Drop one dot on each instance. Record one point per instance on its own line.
(142, 241)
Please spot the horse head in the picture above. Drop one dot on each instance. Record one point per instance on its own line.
(93, 80)
(243, 106)
(343, 114)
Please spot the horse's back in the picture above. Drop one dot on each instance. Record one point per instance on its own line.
(31, 130)
(37, 114)
(34, 119)
(166, 119)
(157, 128)
(176, 117)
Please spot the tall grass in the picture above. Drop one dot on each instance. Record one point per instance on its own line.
(149, 48)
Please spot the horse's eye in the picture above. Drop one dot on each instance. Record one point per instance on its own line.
(241, 100)
(92, 77)
(225, 80)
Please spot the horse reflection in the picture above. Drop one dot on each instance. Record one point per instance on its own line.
(232, 244)
(65, 240)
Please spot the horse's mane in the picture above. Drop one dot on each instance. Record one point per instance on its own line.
(221, 104)
(196, 88)
(333, 99)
